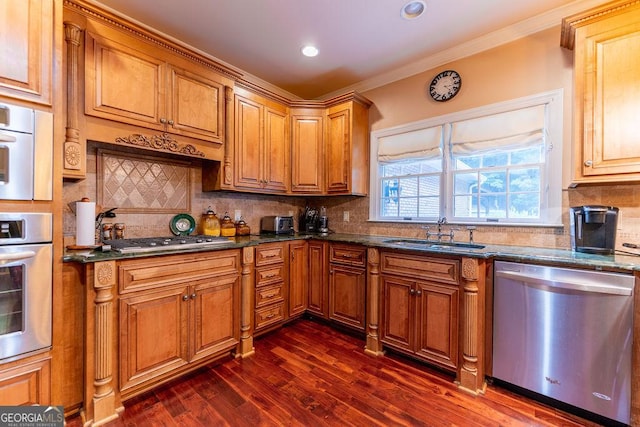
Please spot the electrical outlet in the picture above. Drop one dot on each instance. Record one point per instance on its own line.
(345, 216)
(237, 215)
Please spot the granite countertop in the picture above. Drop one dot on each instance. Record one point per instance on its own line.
(556, 256)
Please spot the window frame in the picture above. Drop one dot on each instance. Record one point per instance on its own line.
(551, 179)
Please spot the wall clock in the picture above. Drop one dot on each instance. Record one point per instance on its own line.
(445, 85)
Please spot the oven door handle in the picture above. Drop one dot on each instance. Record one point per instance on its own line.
(14, 256)
(7, 138)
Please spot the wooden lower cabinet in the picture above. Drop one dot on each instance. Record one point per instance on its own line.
(26, 383)
(298, 277)
(420, 309)
(318, 303)
(347, 285)
(174, 315)
(271, 290)
(161, 331)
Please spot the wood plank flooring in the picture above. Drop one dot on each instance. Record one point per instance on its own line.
(308, 374)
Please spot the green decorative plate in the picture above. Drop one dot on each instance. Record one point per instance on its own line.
(182, 225)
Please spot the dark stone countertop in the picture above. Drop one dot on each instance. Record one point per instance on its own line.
(555, 256)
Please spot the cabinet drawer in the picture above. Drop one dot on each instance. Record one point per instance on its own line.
(269, 253)
(269, 275)
(156, 272)
(269, 295)
(347, 254)
(420, 267)
(269, 315)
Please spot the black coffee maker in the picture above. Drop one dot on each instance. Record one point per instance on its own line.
(593, 229)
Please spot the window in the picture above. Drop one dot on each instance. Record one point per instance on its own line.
(499, 163)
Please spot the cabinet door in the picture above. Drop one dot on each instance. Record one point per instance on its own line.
(26, 384)
(298, 277)
(338, 147)
(153, 335)
(276, 150)
(347, 288)
(215, 316)
(27, 39)
(318, 283)
(437, 323)
(398, 312)
(122, 83)
(196, 106)
(307, 154)
(248, 160)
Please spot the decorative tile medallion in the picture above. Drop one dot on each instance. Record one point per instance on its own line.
(137, 184)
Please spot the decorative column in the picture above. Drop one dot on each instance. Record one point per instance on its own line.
(104, 401)
(245, 348)
(373, 345)
(472, 370)
(74, 149)
(227, 167)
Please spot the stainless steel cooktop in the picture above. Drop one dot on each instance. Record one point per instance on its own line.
(155, 244)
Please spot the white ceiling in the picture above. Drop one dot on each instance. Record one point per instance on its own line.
(362, 43)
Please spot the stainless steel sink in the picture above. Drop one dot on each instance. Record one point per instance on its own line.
(432, 244)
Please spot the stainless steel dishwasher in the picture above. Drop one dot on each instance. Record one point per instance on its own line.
(566, 334)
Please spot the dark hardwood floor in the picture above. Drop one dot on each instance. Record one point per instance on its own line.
(308, 374)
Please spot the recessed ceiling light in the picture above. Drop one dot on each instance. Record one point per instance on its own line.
(413, 9)
(310, 51)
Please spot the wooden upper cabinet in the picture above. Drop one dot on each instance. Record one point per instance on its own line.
(130, 81)
(307, 151)
(606, 43)
(27, 43)
(347, 148)
(261, 143)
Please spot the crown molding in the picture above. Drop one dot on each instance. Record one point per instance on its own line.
(488, 41)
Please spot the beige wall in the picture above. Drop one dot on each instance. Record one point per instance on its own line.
(528, 66)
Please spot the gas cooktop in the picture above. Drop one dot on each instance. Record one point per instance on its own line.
(155, 244)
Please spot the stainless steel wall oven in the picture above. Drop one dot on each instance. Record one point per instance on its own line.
(25, 283)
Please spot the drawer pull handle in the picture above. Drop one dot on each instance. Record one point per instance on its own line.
(271, 316)
(270, 296)
(270, 256)
(269, 276)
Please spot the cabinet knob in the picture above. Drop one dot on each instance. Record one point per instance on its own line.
(588, 163)
(185, 297)
(170, 122)
(412, 292)
(163, 121)
(193, 296)
(418, 292)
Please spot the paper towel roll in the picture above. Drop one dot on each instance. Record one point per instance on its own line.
(85, 223)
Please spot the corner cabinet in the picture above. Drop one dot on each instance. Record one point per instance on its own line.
(606, 44)
(307, 151)
(262, 146)
(420, 306)
(28, 39)
(347, 147)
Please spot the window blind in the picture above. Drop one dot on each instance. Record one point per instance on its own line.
(514, 129)
(419, 144)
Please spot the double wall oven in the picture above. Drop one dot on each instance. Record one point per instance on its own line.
(26, 259)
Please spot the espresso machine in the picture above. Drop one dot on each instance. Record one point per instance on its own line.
(593, 229)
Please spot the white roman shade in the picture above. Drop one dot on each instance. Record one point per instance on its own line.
(418, 144)
(513, 129)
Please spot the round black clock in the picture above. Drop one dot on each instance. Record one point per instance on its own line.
(445, 85)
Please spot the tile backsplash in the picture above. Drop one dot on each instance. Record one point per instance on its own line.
(155, 204)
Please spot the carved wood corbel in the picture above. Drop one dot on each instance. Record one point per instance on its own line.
(227, 171)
